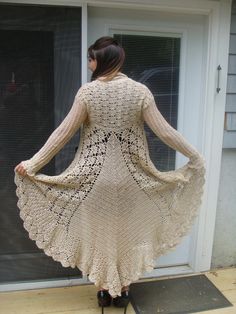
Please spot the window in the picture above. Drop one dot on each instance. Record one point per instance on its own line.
(40, 62)
(154, 61)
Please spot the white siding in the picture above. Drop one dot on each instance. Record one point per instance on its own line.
(224, 249)
(230, 109)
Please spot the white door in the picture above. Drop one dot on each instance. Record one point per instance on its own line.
(165, 52)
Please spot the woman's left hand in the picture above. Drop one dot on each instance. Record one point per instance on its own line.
(20, 169)
(197, 161)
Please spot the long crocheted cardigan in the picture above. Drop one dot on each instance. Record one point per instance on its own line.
(111, 212)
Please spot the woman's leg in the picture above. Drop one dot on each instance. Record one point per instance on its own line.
(122, 289)
(125, 288)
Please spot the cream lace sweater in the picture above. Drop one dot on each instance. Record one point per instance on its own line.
(111, 212)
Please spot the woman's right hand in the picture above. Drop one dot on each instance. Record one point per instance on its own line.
(20, 169)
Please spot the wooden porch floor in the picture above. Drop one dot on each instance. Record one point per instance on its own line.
(82, 299)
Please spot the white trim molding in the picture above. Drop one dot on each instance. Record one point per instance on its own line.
(182, 6)
(219, 34)
(84, 43)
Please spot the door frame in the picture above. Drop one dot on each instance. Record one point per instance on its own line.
(219, 15)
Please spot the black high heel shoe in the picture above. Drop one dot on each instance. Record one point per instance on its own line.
(104, 299)
(123, 300)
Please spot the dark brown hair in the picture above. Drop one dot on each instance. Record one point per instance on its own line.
(109, 54)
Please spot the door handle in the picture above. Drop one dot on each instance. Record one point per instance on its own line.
(218, 79)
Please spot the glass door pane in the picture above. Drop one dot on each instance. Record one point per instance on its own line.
(40, 61)
(154, 61)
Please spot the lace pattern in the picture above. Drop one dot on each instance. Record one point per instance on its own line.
(111, 213)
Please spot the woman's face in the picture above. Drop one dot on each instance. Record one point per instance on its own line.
(92, 64)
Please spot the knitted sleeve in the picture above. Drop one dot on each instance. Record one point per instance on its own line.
(60, 136)
(166, 132)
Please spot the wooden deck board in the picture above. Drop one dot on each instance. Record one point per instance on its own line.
(82, 299)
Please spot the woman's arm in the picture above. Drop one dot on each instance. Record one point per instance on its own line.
(165, 131)
(61, 135)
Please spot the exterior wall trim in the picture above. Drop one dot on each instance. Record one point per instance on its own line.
(183, 6)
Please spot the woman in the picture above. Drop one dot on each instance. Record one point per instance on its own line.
(111, 213)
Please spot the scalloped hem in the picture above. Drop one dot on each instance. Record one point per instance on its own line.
(147, 266)
(112, 276)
